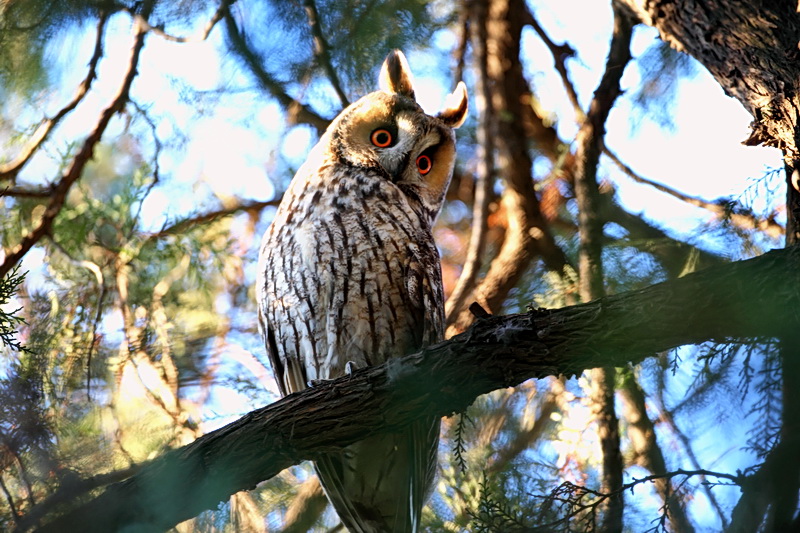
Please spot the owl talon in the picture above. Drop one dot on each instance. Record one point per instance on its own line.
(349, 368)
(316, 382)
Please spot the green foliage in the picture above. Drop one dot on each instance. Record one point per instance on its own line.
(10, 320)
(26, 29)
(497, 514)
(359, 35)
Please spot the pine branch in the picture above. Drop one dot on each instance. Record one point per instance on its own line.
(201, 35)
(322, 50)
(743, 299)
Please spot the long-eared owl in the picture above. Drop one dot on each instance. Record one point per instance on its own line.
(349, 276)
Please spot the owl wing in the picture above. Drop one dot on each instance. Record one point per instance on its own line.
(278, 313)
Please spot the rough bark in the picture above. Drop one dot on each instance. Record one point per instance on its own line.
(750, 298)
(750, 47)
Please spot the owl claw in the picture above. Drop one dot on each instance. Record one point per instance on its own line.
(316, 382)
(349, 368)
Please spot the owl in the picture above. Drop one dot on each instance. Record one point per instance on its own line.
(349, 276)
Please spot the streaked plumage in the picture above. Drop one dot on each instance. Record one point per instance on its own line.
(349, 273)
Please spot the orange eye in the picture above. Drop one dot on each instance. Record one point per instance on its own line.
(424, 164)
(381, 138)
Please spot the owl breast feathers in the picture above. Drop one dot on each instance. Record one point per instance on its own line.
(349, 276)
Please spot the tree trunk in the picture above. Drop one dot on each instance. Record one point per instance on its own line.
(749, 46)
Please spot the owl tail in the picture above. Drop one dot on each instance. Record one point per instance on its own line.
(380, 484)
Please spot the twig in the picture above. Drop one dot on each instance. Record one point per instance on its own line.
(75, 170)
(156, 166)
(9, 171)
(571, 497)
(721, 209)
(19, 192)
(322, 50)
(201, 35)
(95, 269)
(460, 52)
(10, 500)
(560, 53)
(666, 416)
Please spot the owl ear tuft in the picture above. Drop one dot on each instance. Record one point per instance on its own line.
(396, 75)
(455, 108)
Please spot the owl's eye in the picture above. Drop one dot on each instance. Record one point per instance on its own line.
(381, 138)
(424, 164)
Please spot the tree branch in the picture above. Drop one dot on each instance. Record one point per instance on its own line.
(528, 233)
(322, 50)
(590, 141)
(299, 113)
(560, 53)
(86, 152)
(719, 34)
(744, 299)
(744, 220)
(484, 179)
(9, 171)
(182, 225)
(202, 35)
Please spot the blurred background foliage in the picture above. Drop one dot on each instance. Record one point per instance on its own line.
(137, 319)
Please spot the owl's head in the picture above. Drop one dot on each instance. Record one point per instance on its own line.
(388, 132)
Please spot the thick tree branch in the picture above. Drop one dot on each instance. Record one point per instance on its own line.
(75, 169)
(753, 298)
